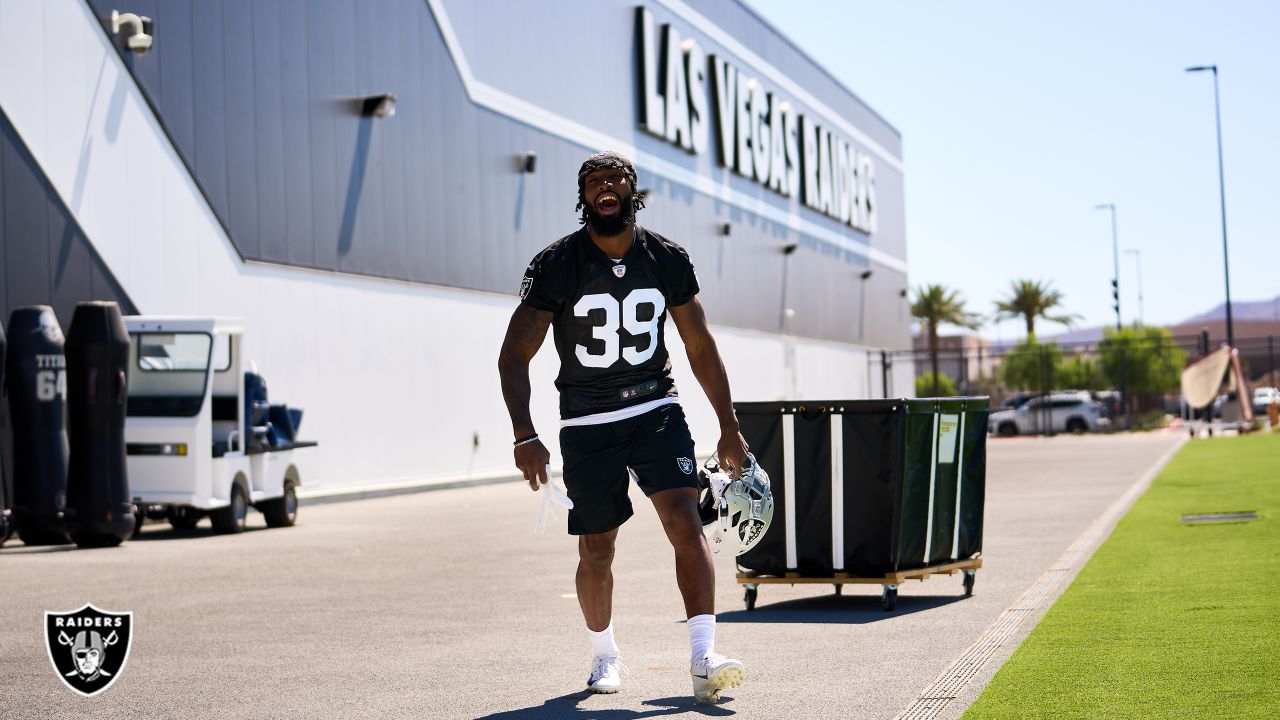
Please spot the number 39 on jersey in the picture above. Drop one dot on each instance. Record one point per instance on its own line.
(621, 316)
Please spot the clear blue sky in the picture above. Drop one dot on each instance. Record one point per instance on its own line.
(1018, 117)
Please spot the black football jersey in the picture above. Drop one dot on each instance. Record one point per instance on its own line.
(610, 318)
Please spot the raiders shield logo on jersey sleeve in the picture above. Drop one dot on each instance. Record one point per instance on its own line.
(88, 647)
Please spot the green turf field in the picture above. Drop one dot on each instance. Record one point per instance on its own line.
(1167, 620)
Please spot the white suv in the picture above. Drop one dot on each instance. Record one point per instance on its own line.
(1263, 397)
(1057, 412)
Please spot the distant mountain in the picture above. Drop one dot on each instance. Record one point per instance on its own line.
(1259, 310)
(1078, 336)
(1240, 311)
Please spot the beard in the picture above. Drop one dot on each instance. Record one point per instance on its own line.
(614, 224)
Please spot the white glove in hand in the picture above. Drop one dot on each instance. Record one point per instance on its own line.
(552, 495)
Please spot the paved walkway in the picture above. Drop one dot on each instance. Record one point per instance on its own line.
(446, 605)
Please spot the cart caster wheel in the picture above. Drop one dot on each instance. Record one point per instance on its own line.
(969, 577)
(839, 590)
(749, 597)
(889, 598)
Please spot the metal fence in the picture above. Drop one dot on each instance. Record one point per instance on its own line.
(1134, 381)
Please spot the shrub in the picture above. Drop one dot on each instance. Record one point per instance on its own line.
(946, 386)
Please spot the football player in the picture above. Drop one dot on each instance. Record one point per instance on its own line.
(605, 291)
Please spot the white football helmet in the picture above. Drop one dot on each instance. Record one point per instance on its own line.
(735, 513)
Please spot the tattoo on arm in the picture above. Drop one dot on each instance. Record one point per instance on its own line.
(525, 333)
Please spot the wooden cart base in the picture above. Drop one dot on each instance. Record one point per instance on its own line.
(890, 581)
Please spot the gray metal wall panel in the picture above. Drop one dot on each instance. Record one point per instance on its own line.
(178, 73)
(208, 154)
(432, 194)
(241, 214)
(25, 228)
(269, 131)
(322, 111)
(296, 116)
(45, 257)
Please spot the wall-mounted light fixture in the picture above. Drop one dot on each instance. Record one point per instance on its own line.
(725, 228)
(140, 40)
(382, 105)
(643, 194)
(902, 293)
(527, 162)
(865, 275)
(788, 249)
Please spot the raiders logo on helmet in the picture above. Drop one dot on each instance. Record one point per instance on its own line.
(735, 512)
(88, 647)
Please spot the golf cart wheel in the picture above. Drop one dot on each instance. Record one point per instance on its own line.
(1007, 429)
(182, 517)
(839, 589)
(139, 515)
(1076, 425)
(232, 518)
(969, 577)
(283, 511)
(889, 598)
(749, 597)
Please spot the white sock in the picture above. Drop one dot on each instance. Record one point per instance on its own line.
(702, 635)
(602, 643)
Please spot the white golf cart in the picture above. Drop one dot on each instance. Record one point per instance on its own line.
(201, 438)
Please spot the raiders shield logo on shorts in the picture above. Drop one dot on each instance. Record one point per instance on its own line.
(686, 465)
(88, 647)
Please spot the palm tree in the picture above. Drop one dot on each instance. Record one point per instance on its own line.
(936, 305)
(1031, 299)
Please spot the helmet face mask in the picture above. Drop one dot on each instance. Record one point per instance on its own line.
(735, 512)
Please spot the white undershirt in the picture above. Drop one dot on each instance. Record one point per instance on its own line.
(622, 414)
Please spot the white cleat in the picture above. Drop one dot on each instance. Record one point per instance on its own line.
(606, 675)
(714, 673)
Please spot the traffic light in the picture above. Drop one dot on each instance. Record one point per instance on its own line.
(1115, 294)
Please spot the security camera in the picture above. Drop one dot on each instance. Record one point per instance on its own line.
(140, 41)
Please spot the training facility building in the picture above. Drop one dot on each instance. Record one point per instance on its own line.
(364, 183)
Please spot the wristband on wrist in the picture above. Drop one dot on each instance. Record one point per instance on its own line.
(525, 441)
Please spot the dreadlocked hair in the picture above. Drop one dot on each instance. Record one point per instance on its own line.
(608, 159)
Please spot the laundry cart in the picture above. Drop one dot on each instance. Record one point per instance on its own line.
(868, 491)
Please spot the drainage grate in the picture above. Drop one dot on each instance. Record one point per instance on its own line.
(1227, 517)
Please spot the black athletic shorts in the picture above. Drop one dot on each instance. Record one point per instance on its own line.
(656, 446)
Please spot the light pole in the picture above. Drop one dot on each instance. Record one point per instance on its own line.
(785, 313)
(1222, 197)
(1115, 256)
(1138, 254)
(864, 276)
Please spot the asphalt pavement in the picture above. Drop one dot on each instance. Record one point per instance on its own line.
(447, 605)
